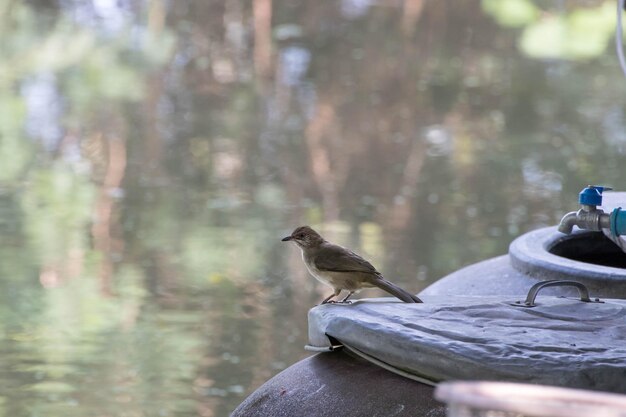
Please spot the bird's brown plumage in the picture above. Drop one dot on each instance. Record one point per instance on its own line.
(341, 268)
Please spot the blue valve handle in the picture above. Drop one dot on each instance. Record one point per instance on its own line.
(618, 222)
(592, 195)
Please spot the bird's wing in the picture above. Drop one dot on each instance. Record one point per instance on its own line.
(338, 259)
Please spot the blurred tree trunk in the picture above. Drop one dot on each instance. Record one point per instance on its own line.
(104, 219)
(262, 10)
(329, 158)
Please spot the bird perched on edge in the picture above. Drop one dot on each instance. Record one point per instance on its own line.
(341, 268)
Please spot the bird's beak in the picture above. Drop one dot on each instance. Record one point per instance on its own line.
(286, 239)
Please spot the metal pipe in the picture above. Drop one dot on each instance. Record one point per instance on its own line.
(568, 222)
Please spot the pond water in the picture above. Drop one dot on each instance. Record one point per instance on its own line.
(153, 153)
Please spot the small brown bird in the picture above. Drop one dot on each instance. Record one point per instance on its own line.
(341, 268)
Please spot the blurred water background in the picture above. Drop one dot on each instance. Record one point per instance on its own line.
(153, 153)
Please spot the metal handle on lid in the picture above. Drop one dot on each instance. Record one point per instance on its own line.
(534, 291)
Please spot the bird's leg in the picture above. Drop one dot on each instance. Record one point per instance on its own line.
(326, 300)
(345, 299)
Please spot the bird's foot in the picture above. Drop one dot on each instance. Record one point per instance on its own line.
(336, 302)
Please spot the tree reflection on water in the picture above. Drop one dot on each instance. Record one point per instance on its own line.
(152, 154)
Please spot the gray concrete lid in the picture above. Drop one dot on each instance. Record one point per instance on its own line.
(561, 342)
(531, 400)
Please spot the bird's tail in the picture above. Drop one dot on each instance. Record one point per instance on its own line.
(396, 291)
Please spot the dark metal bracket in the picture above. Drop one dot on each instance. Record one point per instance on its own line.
(534, 291)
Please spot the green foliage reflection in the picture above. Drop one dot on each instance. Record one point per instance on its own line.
(153, 155)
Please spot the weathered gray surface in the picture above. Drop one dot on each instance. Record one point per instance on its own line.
(529, 400)
(495, 276)
(562, 342)
(530, 261)
(337, 384)
(530, 254)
